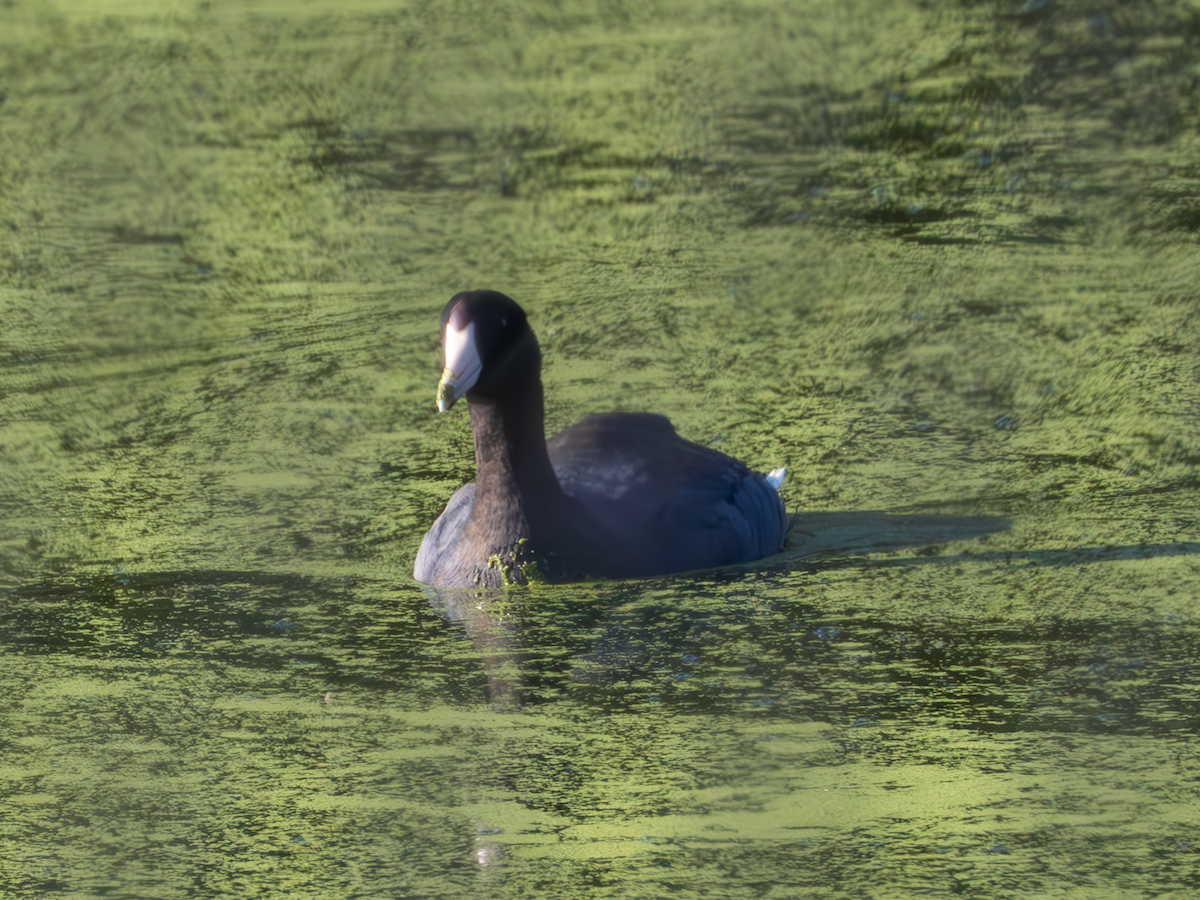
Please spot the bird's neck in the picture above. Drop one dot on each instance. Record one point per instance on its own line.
(521, 513)
(517, 492)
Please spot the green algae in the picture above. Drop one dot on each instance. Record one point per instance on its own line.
(800, 235)
(933, 258)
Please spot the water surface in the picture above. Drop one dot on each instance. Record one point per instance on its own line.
(937, 260)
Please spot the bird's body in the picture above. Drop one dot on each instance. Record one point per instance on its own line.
(617, 495)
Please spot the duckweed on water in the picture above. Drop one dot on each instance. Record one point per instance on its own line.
(852, 239)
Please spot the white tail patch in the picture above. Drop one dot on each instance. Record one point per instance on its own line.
(775, 477)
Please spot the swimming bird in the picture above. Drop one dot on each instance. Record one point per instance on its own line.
(616, 495)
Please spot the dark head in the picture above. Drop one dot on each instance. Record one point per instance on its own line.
(486, 345)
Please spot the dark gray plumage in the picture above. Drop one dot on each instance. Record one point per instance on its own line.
(617, 495)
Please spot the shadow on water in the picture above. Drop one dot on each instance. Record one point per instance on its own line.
(838, 537)
(511, 630)
(874, 531)
(41, 617)
(531, 644)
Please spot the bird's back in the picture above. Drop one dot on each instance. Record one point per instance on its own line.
(672, 504)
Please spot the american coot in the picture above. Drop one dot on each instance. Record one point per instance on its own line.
(618, 495)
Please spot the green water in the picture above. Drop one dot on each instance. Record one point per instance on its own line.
(937, 259)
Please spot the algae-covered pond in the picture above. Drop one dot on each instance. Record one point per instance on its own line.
(938, 259)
